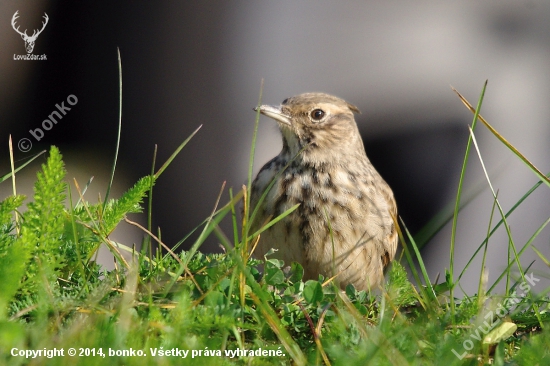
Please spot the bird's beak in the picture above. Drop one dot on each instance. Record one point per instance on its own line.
(275, 113)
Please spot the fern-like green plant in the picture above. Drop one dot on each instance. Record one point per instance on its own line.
(130, 202)
(43, 225)
(12, 260)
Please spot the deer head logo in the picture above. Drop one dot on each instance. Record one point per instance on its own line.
(29, 40)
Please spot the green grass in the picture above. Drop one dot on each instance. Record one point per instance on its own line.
(168, 306)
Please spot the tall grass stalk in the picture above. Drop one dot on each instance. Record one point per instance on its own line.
(457, 204)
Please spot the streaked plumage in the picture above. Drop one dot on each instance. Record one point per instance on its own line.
(344, 222)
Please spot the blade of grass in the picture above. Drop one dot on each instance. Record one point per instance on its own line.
(175, 153)
(274, 221)
(457, 203)
(7, 176)
(12, 166)
(148, 243)
(429, 295)
(423, 298)
(97, 230)
(516, 205)
(204, 234)
(221, 212)
(85, 189)
(14, 188)
(445, 215)
(248, 193)
(233, 219)
(525, 246)
(533, 168)
(541, 256)
(506, 226)
(150, 234)
(254, 136)
(271, 184)
(80, 263)
(119, 130)
(331, 234)
(511, 241)
(250, 218)
(513, 288)
(482, 280)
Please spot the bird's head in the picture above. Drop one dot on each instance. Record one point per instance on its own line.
(321, 125)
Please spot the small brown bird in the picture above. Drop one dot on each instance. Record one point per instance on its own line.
(344, 224)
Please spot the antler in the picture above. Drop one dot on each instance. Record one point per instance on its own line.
(24, 34)
(15, 16)
(43, 26)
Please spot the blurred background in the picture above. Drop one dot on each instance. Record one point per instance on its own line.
(191, 63)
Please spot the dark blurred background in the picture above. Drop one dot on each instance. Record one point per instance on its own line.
(190, 63)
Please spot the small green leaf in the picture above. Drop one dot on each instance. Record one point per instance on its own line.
(275, 262)
(298, 287)
(271, 252)
(425, 345)
(273, 273)
(441, 288)
(296, 272)
(313, 292)
(351, 291)
(499, 355)
(214, 298)
(501, 333)
(361, 308)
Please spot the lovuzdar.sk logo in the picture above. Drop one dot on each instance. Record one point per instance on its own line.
(29, 40)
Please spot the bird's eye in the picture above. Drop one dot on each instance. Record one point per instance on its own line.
(285, 101)
(317, 114)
